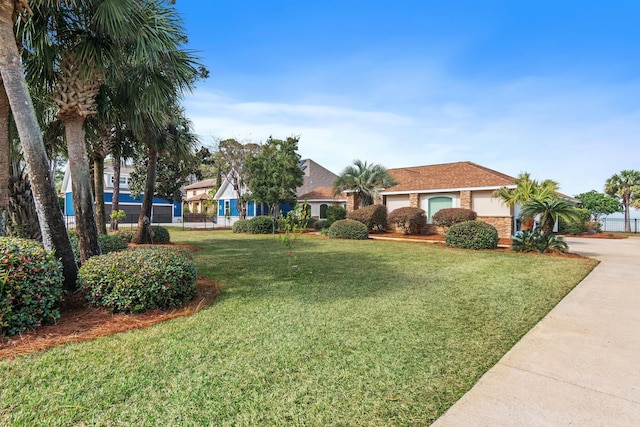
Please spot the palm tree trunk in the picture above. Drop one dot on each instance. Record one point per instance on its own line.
(98, 183)
(54, 232)
(115, 202)
(81, 188)
(627, 214)
(143, 235)
(4, 160)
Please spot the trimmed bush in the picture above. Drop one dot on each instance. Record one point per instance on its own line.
(160, 234)
(240, 226)
(348, 229)
(409, 220)
(472, 235)
(261, 225)
(450, 216)
(335, 213)
(321, 224)
(139, 279)
(30, 285)
(107, 242)
(373, 216)
(126, 235)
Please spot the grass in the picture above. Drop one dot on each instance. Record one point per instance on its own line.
(361, 333)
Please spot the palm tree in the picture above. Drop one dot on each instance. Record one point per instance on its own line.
(365, 179)
(4, 160)
(54, 233)
(550, 210)
(626, 187)
(525, 190)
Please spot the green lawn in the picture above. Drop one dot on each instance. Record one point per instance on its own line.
(362, 333)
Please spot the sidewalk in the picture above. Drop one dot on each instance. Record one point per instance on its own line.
(580, 366)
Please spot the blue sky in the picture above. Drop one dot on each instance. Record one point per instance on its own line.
(547, 87)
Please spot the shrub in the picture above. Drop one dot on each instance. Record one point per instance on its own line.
(261, 225)
(139, 279)
(240, 226)
(126, 235)
(348, 229)
(536, 241)
(160, 234)
(472, 235)
(450, 216)
(321, 224)
(576, 226)
(409, 220)
(107, 242)
(373, 216)
(30, 285)
(335, 213)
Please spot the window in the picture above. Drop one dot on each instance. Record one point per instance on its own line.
(437, 203)
(227, 208)
(323, 211)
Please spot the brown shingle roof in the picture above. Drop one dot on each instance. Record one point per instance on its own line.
(445, 176)
(207, 183)
(320, 193)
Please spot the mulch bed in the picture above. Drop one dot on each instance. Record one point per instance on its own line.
(79, 322)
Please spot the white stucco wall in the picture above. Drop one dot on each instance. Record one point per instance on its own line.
(484, 204)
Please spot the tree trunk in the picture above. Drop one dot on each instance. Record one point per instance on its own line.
(98, 183)
(627, 214)
(143, 234)
(5, 152)
(54, 232)
(115, 200)
(81, 188)
(23, 216)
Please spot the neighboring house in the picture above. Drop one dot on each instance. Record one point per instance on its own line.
(452, 185)
(316, 189)
(162, 211)
(196, 196)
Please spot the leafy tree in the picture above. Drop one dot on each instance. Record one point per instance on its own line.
(549, 209)
(599, 204)
(233, 155)
(626, 187)
(365, 179)
(525, 190)
(274, 174)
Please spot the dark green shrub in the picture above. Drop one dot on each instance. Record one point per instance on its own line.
(373, 216)
(107, 242)
(472, 235)
(335, 213)
(126, 235)
(409, 220)
(536, 241)
(240, 226)
(261, 225)
(139, 279)
(160, 234)
(450, 216)
(321, 224)
(577, 226)
(348, 229)
(30, 285)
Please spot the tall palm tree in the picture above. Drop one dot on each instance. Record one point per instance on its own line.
(54, 234)
(365, 179)
(626, 187)
(550, 210)
(4, 160)
(526, 189)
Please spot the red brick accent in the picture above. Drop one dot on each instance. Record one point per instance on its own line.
(352, 202)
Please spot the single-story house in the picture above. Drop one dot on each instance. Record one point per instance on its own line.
(162, 211)
(451, 185)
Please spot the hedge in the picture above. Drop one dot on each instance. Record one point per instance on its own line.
(348, 229)
(450, 216)
(261, 225)
(409, 220)
(472, 235)
(240, 226)
(374, 217)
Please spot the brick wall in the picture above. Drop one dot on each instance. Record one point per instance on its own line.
(503, 224)
(352, 202)
(414, 200)
(465, 199)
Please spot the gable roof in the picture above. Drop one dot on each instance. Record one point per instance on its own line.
(447, 176)
(315, 176)
(321, 193)
(206, 183)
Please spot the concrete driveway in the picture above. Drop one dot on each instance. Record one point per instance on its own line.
(580, 365)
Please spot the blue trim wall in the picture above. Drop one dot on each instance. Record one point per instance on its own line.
(124, 198)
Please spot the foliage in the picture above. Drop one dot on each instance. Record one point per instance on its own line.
(274, 173)
(160, 234)
(626, 187)
(472, 235)
(348, 229)
(409, 220)
(576, 225)
(30, 285)
(450, 216)
(240, 226)
(125, 235)
(321, 224)
(365, 179)
(550, 210)
(139, 279)
(118, 215)
(599, 204)
(374, 217)
(293, 224)
(527, 189)
(261, 225)
(233, 155)
(335, 213)
(537, 241)
(107, 242)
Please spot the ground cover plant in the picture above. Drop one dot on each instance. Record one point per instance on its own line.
(364, 333)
